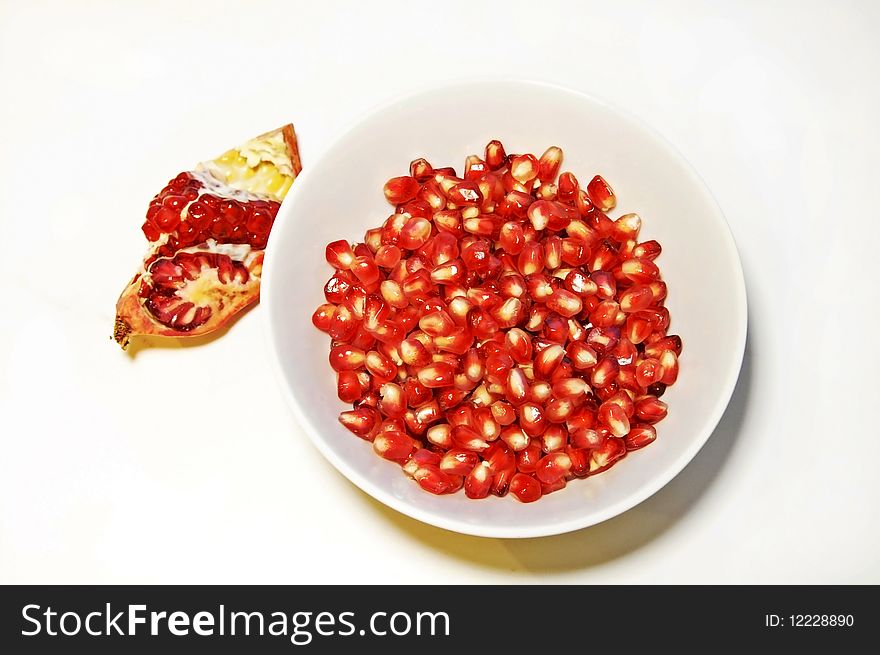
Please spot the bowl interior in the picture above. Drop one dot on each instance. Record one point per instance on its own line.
(340, 196)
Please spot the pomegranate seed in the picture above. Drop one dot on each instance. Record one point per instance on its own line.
(602, 458)
(495, 155)
(559, 409)
(669, 364)
(458, 462)
(323, 317)
(570, 388)
(517, 389)
(650, 409)
(586, 438)
(524, 168)
(532, 419)
(672, 342)
(415, 233)
(565, 302)
(604, 372)
(421, 170)
(467, 438)
(640, 436)
(400, 189)
(601, 194)
(549, 163)
(348, 387)
(552, 467)
(346, 358)
(380, 366)
(514, 205)
(339, 255)
(552, 252)
(528, 458)
(515, 438)
(440, 435)
(580, 461)
(615, 418)
(581, 355)
(393, 445)
(525, 488)
(362, 421)
(649, 250)
(512, 238)
(438, 374)
(392, 402)
(433, 480)
(567, 188)
(636, 298)
(547, 360)
(478, 482)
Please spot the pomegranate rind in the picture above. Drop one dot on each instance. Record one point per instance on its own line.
(132, 316)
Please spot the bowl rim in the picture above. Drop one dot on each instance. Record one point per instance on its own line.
(590, 518)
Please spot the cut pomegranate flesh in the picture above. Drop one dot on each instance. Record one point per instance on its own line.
(207, 230)
(499, 333)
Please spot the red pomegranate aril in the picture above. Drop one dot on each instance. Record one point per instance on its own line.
(458, 461)
(339, 255)
(655, 349)
(323, 317)
(602, 458)
(440, 435)
(648, 250)
(613, 416)
(603, 340)
(601, 194)
(565, 303)
(436, 375)
(547, 360)
(567, 187)
(524, 168)
(362, 421)
(636, 298)
(549, 163)
(392, 402)
(380, 366)
(639, 436)
(532, 419)
(552, 253)
(514, 205)
(393, 445)
(552, 467)
(433, 480)
(640, 271)
(525, 488)
(467, 438)
(559, 409)
(421, 170)
(586, 438)
(604, 372)
(496, 157)
(478, 482)
(581, 355)
(401, 189)
(650, 409)
(348, 387)
(580, 461)
(648, 371)
(669, 364)
(346, 358)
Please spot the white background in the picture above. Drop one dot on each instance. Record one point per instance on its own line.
(184, 465)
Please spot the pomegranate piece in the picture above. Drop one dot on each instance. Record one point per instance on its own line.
(498, 333)
(207, 231)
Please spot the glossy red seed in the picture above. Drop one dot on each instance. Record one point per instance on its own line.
(525, 488)
(601, 194)
(639, 436)
(400, 189)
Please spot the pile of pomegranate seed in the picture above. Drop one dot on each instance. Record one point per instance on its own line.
(188, 218)
(500, 332)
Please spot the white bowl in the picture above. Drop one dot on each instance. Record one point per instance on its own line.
(340, 196)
